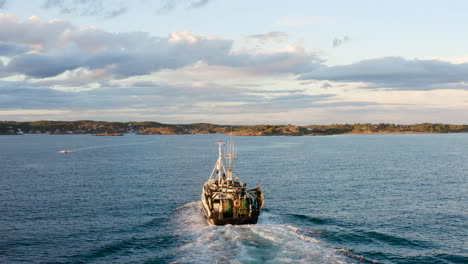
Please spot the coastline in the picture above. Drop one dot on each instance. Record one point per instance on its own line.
(103, 128)
(245, 135)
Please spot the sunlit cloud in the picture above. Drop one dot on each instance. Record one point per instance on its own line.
(56, 69)
(61, 47)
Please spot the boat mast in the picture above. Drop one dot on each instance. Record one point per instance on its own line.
(231, 154)
(219, 163)
(219, 166)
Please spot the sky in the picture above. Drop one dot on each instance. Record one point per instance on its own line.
(235, 61)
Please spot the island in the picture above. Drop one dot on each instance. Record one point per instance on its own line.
(103, 128)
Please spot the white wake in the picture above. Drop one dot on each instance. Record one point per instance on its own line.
(269, 241)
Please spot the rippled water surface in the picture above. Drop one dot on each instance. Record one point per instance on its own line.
(333, 199)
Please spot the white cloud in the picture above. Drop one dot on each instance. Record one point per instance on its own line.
(454, 60)
(32, 33)
(55, 69)
(60, 47)
(181, 37)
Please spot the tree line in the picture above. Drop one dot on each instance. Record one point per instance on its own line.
(93, 127)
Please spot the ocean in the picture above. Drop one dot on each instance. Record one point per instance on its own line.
(328, 199)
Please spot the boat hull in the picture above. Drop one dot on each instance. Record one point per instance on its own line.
(234, 217)
(234, 221)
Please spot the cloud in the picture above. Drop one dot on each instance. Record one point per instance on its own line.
(79, 79)
(326, 85)
(16, 96)
(171, 5)
(275, 36)
(151, 100)
(86, 7)
(340, 41)
(8, 50)
(292, 101)
(59, 46)
(2, 3)
(44, 65)
(117, 12)
(199, 3)
(32, 32)
(145, 96)
(397, 74)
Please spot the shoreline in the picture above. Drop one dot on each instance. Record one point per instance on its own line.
(276, 135)
(155, 128)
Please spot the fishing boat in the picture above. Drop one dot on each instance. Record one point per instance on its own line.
(226, 200)
(65, 151)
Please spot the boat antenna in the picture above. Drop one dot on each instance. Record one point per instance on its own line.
(231, 154)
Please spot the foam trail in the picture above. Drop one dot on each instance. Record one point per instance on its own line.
(266, 242)
(109, 146)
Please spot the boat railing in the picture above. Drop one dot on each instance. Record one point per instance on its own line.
(254, 198)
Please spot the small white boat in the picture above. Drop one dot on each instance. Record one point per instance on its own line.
(226, 200)
(65, 151)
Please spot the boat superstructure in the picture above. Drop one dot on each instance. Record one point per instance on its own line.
(226, 200)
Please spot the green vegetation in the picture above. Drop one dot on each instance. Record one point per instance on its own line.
(387, 128)
(96, 127)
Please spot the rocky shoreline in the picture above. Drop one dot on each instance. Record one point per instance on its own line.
(101, 128)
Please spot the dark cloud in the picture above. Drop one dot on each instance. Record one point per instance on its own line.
(397, 74)
(8, 50)
(326, 86)
(16, 95)
(340, 41)
(148, 95)
(2, 3)
(41, 66)
(20, 96)
(2, 70)
(24, 96)
(86, 7)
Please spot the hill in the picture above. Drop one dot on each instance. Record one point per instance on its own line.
(155, 128)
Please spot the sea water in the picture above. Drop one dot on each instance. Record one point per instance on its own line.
(328, 199)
